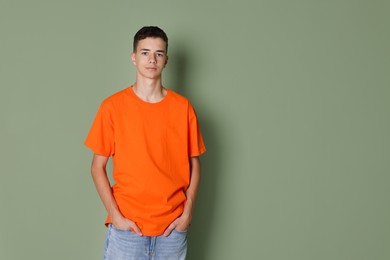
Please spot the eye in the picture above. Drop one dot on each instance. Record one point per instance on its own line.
(144, 53)
(160, 54)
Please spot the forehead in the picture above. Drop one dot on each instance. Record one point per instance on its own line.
(152, 44)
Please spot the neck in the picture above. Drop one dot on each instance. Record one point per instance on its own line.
(149, 90)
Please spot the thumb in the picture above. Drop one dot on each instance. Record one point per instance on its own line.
(136, 229)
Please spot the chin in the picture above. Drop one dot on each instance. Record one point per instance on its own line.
(152, 75)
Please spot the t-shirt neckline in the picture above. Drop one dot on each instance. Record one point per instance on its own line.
(131, 90)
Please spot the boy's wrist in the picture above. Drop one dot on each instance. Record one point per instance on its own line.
(116, 215)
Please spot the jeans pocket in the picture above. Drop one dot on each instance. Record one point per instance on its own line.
(118, 229)
(181, 231)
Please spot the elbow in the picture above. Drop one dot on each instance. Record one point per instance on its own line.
(97, 171)
(98, 166)
(195, 162)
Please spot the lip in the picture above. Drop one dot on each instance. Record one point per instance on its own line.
(151, 68)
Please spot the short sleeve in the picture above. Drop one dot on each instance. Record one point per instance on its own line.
(195, 142)
(100, 138)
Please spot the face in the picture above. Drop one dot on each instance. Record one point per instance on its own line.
(150, 57)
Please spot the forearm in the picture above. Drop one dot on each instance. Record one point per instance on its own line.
(182, 222)
(193, 188)
(103, 187)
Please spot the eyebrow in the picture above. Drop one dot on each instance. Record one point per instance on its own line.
(149, 50)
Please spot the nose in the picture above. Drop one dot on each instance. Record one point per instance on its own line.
(152, 59)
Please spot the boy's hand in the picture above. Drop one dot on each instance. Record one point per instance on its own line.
(123, 223)
(180, 224)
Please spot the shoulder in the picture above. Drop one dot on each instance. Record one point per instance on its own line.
(182, 104)
(116, 99)
(178, 98)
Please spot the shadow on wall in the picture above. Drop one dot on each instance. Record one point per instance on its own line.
(204, 215)
(203, 218)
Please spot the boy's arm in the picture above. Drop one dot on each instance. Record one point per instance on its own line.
(182, 222)
(103, 187)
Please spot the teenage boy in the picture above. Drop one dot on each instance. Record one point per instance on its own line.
(153, 137)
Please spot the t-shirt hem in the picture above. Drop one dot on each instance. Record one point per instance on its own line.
(151, 234)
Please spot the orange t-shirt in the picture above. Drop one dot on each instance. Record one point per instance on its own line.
(150, 144)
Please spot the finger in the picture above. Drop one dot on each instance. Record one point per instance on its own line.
(169, 229)
(136, 229)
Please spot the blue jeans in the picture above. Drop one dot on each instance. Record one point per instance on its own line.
(124, 244)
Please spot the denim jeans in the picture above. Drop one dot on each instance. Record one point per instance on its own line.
(126, 245)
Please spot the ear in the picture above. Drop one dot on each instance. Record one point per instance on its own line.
(133, 57)
(166, 61)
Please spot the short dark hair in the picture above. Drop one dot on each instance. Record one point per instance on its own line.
(149, 31)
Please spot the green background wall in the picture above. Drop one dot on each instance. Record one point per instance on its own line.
(293, 99)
